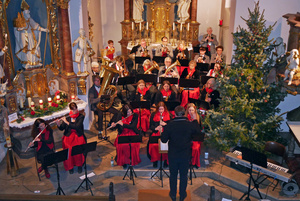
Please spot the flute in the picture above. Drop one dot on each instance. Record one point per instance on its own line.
(121, 120)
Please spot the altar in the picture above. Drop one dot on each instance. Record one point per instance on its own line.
(21, 132)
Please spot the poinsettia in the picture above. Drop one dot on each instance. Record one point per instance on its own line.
(32, 112)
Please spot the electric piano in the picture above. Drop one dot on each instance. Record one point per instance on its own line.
(274, 171)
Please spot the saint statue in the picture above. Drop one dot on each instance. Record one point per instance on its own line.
(138, 8)
(84, 51)
(292, 67)
(2, 74)
(183, 10)
(28, 38)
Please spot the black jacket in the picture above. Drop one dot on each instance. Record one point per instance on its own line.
(180, 133)
(132, 125)
(77, 125)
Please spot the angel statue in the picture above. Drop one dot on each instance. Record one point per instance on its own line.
(292, 67)
(28, 38)
(84, 51)
(183, 10)
(138, 8)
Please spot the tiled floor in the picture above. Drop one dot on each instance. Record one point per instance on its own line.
(228, 182)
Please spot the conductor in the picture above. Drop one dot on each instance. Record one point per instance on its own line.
(179, 132)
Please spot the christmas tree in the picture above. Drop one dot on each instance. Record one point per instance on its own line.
(248, 105)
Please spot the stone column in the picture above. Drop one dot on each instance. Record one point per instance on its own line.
(126, 10)
(65, 36)
(194, 10)
(126, 28)
(294, 21)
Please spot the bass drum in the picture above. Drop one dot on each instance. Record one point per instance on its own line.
(291, 188)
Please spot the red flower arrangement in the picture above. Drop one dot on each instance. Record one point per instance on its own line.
(32, 112)
(54, 104)
(57, 93)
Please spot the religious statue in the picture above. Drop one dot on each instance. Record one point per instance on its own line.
(3, 89)
(138, 8)
(183, 10)
(292, 67)
(28, 38)
(53, 87)
(2, 74)
(84, 51)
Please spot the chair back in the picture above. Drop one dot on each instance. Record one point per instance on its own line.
(276, 149)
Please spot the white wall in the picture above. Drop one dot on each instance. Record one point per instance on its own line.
(112, 13)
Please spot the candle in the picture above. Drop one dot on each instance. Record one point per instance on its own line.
(173, 26)
(32, 105)
(58, 98)
(147, 26)
(188, 26)
(180, 27)
(140, 26)
(49, 101)
(29, 101)
(21, 102)
(220, 22)
(41, 104)
(72, 98)
(132, 26)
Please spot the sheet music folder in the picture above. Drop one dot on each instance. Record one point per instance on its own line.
(126, 80)
(172, 80)
(146, 77)
(159, 59)
(140, 60)
(254, 157)
(202, 66)
(56, 157)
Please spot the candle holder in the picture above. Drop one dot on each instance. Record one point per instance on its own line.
(132, 35)
(49, 102)
(173, 42)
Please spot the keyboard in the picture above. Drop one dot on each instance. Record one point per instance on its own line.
(274, 171)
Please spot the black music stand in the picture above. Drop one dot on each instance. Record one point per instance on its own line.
(84, 149)
(196, 49)
(146, 77)
(159, 59)
(153, 140)
(172, 80)
(257, 158)
(141, 105)
(55, 158)
(140, 60)
(105, 99)
(184, 62)
(125, 81)
(171, 105)
(129, 140)
(202, 67)
(204, 79)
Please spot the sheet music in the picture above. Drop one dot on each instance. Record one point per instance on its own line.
(163, 147)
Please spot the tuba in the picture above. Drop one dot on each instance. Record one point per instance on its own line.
(176, 63)
(106, 88)
(154, 66)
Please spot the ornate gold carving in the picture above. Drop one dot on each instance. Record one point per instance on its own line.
(91, 33)
(68, 73)
(12, 104)
(64, 4)
(37, 84)
(82, 85)
(20, 21)
(24, 5)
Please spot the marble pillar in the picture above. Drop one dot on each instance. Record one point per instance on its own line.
(194, 10)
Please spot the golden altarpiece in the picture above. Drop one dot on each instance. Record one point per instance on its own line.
(160, 19)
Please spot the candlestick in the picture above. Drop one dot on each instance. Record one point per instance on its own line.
(147, 26)
(32, 105)
(188, 26)
(180, 27)
(21, 103)
(140, 26)
(41, 104)
(29, 101)
(57, 98)
(173, 26)
(49, 101)
(132, 26)
(72, 98)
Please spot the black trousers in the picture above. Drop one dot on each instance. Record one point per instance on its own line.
(116, 117)
(181, 165)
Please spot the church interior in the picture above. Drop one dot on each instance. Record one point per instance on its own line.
(95, 83)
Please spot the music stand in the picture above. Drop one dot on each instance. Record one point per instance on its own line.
(257, 158)
(105, 99)
(156, 140)
(84, 149)
(129, 140)
(140, 105)
(212, 65)
(125, 81)
(55, 158)
(196, 49)
(204, 79)
(184, 62)
(140, 60)
(171, 105)
(146, 77)
(159, 59)
(172, 80)
(202, 67)
(189, 84)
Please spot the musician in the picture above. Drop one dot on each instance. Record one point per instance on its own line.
(127, 127)
(210, 94)
(216, 71)
(172, 73)
(165, 93)
(110, 50)
(190, 113)
(158, 120)
(44, 144)
(165, 49)
(73, 135)
(95, 68)
(190, 73)
(119, 65)
(218, 57)
(209, 41)
(94, 100)
(143, 94)
(181, 52)
(143, 50)
(202, 57)
(179, 132)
